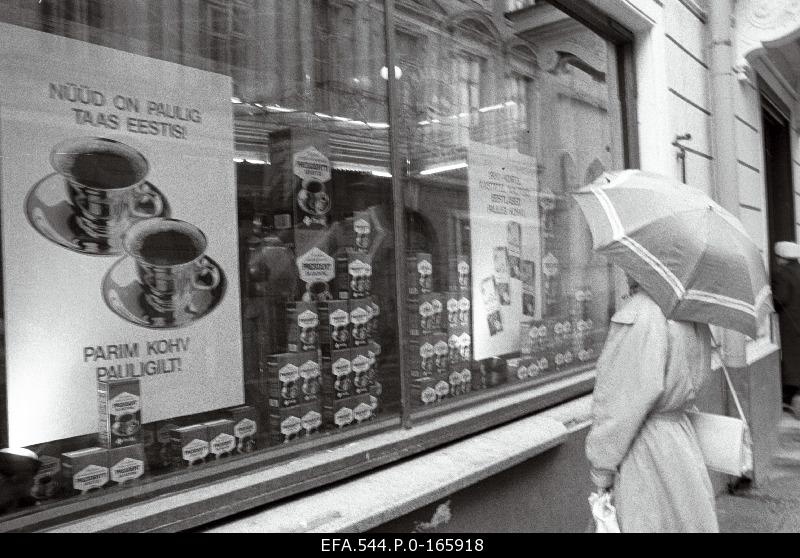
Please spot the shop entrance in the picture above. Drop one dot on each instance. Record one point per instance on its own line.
(778, 173)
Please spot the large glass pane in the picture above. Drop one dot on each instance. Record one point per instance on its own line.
(505, 111)
(197, 236)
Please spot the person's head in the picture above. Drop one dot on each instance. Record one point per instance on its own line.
(786, 252)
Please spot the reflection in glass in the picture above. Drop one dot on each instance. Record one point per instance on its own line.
(529, 114)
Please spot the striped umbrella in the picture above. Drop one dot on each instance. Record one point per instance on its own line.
(692, 256)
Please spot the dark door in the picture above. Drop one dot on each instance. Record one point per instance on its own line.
(778, 176)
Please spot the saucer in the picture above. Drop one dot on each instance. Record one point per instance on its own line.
(124, 295)
(50, 212)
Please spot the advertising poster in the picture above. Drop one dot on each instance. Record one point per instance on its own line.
(506, 254)
(119, 234)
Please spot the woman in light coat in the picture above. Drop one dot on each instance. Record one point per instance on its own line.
(642, 444)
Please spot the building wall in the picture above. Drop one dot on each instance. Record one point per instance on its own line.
(690, 111)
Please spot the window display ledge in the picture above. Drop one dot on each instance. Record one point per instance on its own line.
(214, 501)
(374, 499)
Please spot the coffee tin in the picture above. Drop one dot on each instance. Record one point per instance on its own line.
(120, 410)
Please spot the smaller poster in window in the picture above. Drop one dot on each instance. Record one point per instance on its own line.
(506, 252)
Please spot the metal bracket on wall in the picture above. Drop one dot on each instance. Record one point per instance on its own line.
(682, 153)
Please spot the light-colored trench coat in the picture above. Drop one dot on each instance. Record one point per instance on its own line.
(642, 442)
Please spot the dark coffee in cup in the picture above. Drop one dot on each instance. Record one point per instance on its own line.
(313, 186)
(105, 170)
(169, 247)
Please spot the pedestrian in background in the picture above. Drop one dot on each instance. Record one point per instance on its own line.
(786, 295)
(642, 444)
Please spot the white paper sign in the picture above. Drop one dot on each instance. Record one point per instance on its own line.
(506, 253)
(76, 305)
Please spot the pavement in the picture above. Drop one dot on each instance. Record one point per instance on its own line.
(774, 505)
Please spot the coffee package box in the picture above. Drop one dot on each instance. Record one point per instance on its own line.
(544, 364)
(316, 266)
(465, 311)
(359, 273)
(312, 190)
(454, 360)
(564, 359)
(283, 380)
(221, 441)
(420, 272)
(353, 274)
(126, 464)
(303, 326)
(421, 356)
(335, 328)
(459, 274)
(423, 392)
(311, 418)
(245, 428)
(189, 445)
(348, 412)
(362, 378)
(456, 381)
(466, 380)
(359, 322)
(364, 230)
(285, 424)
(85, 470)
(47, 482)
(120, 409)
(533, 338)
(465, 347)
(337, 375)
(338, 414)
(459, 343)
(358, 232)
(363, 408)
(422, 314)
(441, 354)
(309, 365)
(516, 370)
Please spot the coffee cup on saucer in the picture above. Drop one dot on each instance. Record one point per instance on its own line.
(106, 184)
(170, 261)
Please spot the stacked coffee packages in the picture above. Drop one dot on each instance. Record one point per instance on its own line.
(439, 331)
(327, 378)
(558, 343)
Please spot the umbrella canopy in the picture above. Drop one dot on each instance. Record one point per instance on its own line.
(692, 256)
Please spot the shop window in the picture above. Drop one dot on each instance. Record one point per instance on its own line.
(206, 191)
